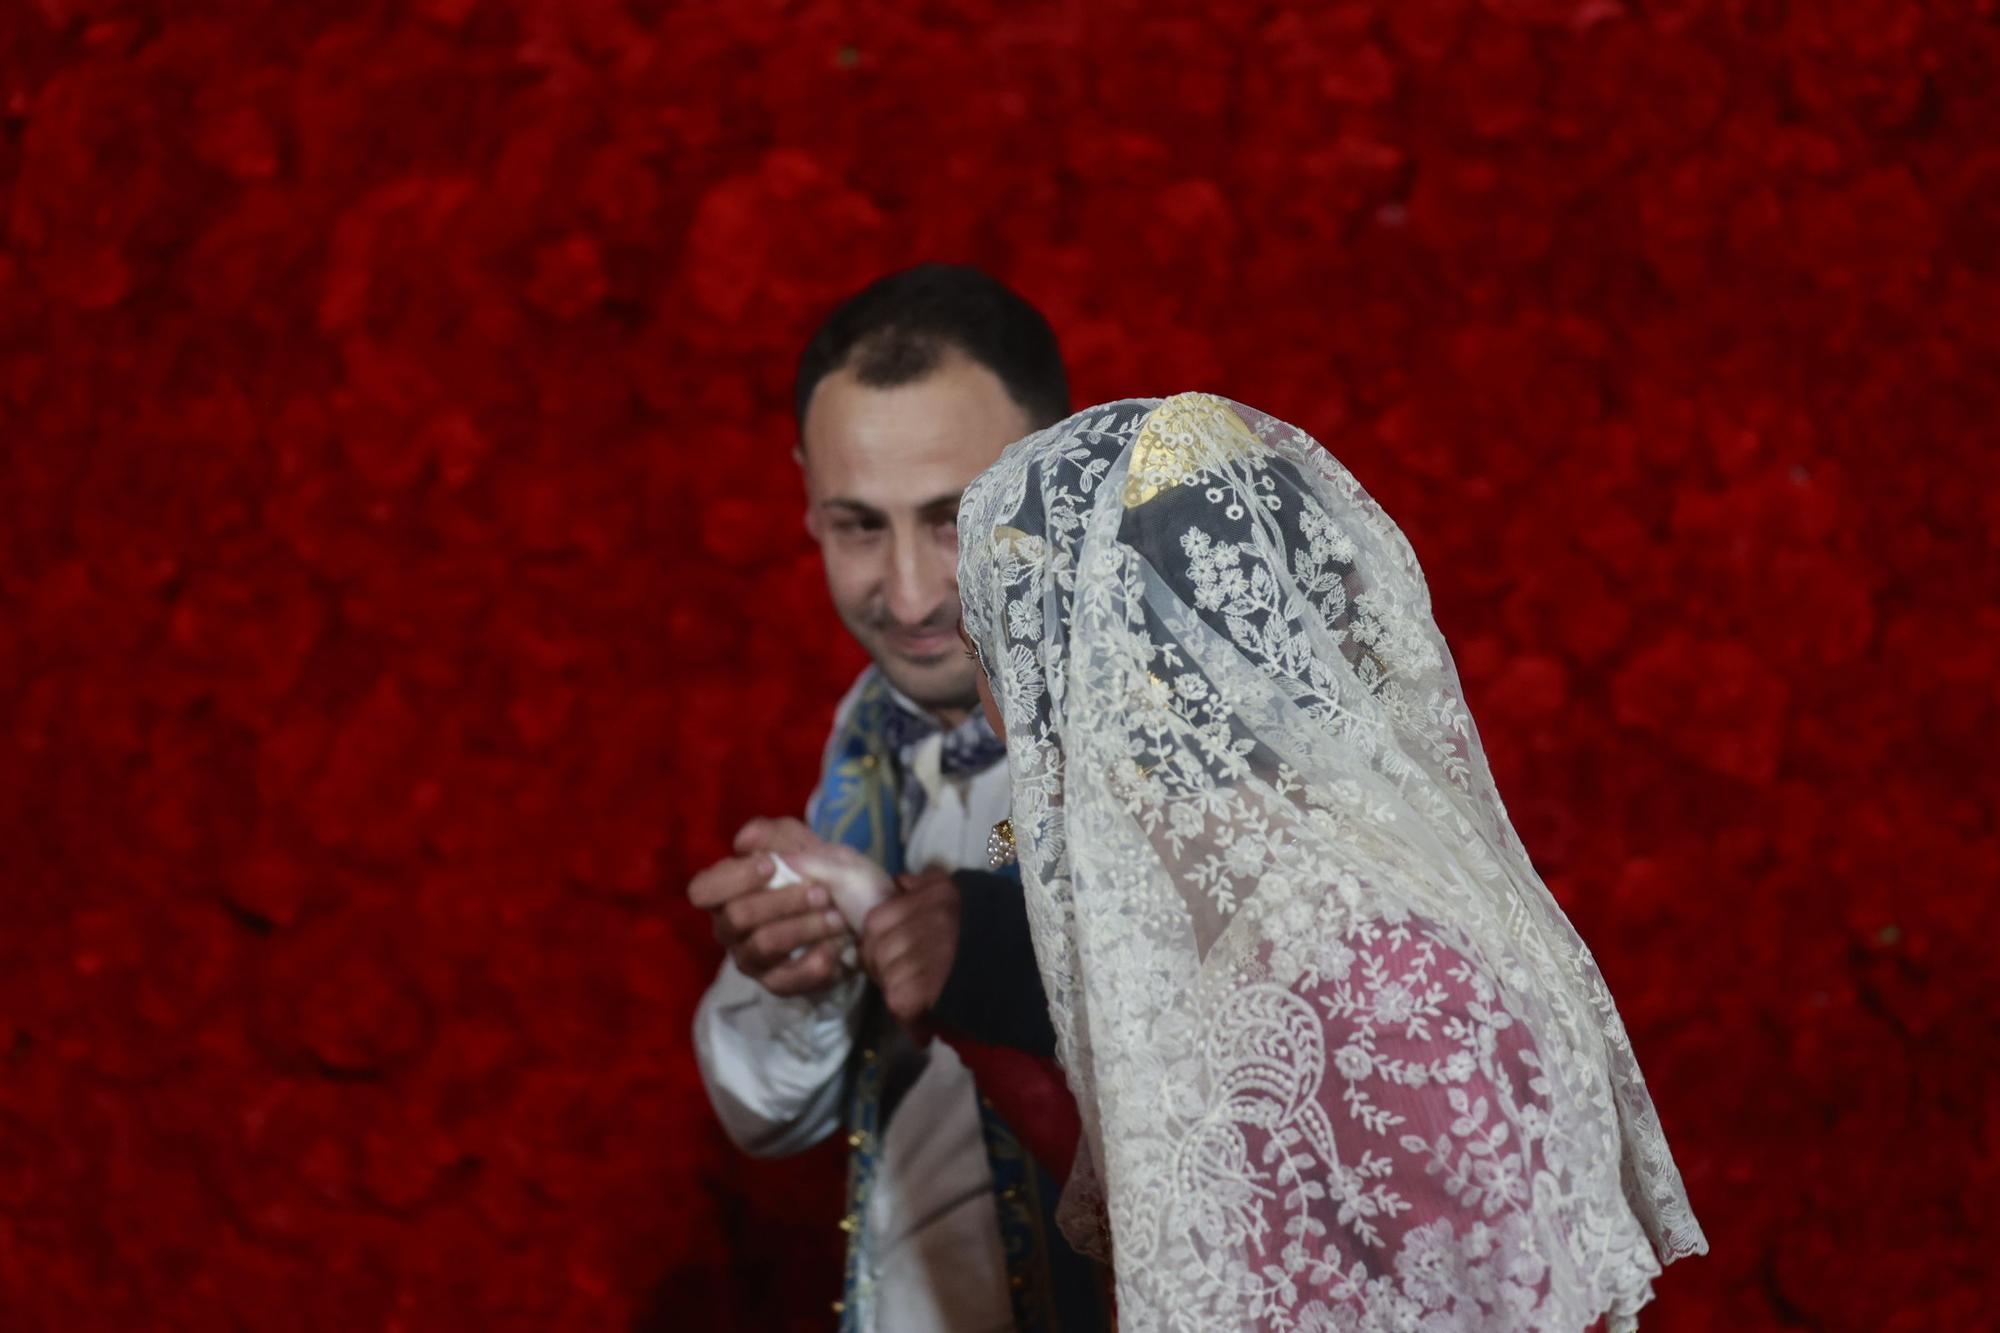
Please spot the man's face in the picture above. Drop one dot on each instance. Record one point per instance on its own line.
(884, 469)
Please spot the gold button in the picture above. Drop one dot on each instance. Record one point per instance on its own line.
(1010, 1194)
(840, 1307)
(868, 1056)
(855, 1140)
(1017, 1282)
(849, 1223)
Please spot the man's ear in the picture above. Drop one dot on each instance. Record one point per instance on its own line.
(812, 511)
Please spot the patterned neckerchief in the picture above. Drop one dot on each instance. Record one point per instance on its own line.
(969, 748)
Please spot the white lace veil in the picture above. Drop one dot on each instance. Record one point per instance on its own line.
(1341, 1060)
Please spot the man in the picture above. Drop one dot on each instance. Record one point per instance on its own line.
(907, 392)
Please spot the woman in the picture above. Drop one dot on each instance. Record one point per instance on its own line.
(1341, 1062)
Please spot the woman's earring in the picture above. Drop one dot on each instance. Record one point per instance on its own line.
(1000, 850)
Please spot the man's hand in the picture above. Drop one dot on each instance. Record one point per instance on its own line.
(762, 927)
(908, 943)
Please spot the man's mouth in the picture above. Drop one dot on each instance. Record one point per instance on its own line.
(921, 643)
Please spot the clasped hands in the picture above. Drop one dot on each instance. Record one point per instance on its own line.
(790, 939)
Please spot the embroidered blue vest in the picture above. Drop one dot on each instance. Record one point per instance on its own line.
(1053, 1288)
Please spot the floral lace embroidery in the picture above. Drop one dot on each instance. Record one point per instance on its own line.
(1342, 1061)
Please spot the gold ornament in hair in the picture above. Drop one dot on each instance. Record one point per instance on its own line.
(1185, 436)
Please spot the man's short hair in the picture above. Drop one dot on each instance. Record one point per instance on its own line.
(898, 329)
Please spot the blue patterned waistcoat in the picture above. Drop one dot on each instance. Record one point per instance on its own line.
(1052, 1287)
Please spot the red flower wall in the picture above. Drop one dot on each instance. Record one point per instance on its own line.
(401, 590)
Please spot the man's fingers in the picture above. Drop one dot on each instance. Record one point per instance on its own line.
(883, 938)
(918, 881)
(885, 950)
(888, 914)
(775, 835)
(811, 972)
(883, 945)
(726, 880)
(896, 913)
(908, 990)
(742, 916)
(870, 942)
(897, 998)
(773, 944)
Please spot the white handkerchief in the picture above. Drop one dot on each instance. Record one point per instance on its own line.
(856, 883)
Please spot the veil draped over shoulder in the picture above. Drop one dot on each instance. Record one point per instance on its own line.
(1341, 1060)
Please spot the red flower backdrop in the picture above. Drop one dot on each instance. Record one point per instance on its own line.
(402, 591)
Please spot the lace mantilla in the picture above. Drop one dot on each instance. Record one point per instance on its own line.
(1342, 1062)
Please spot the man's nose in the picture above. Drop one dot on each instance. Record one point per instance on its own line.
(919, 579)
